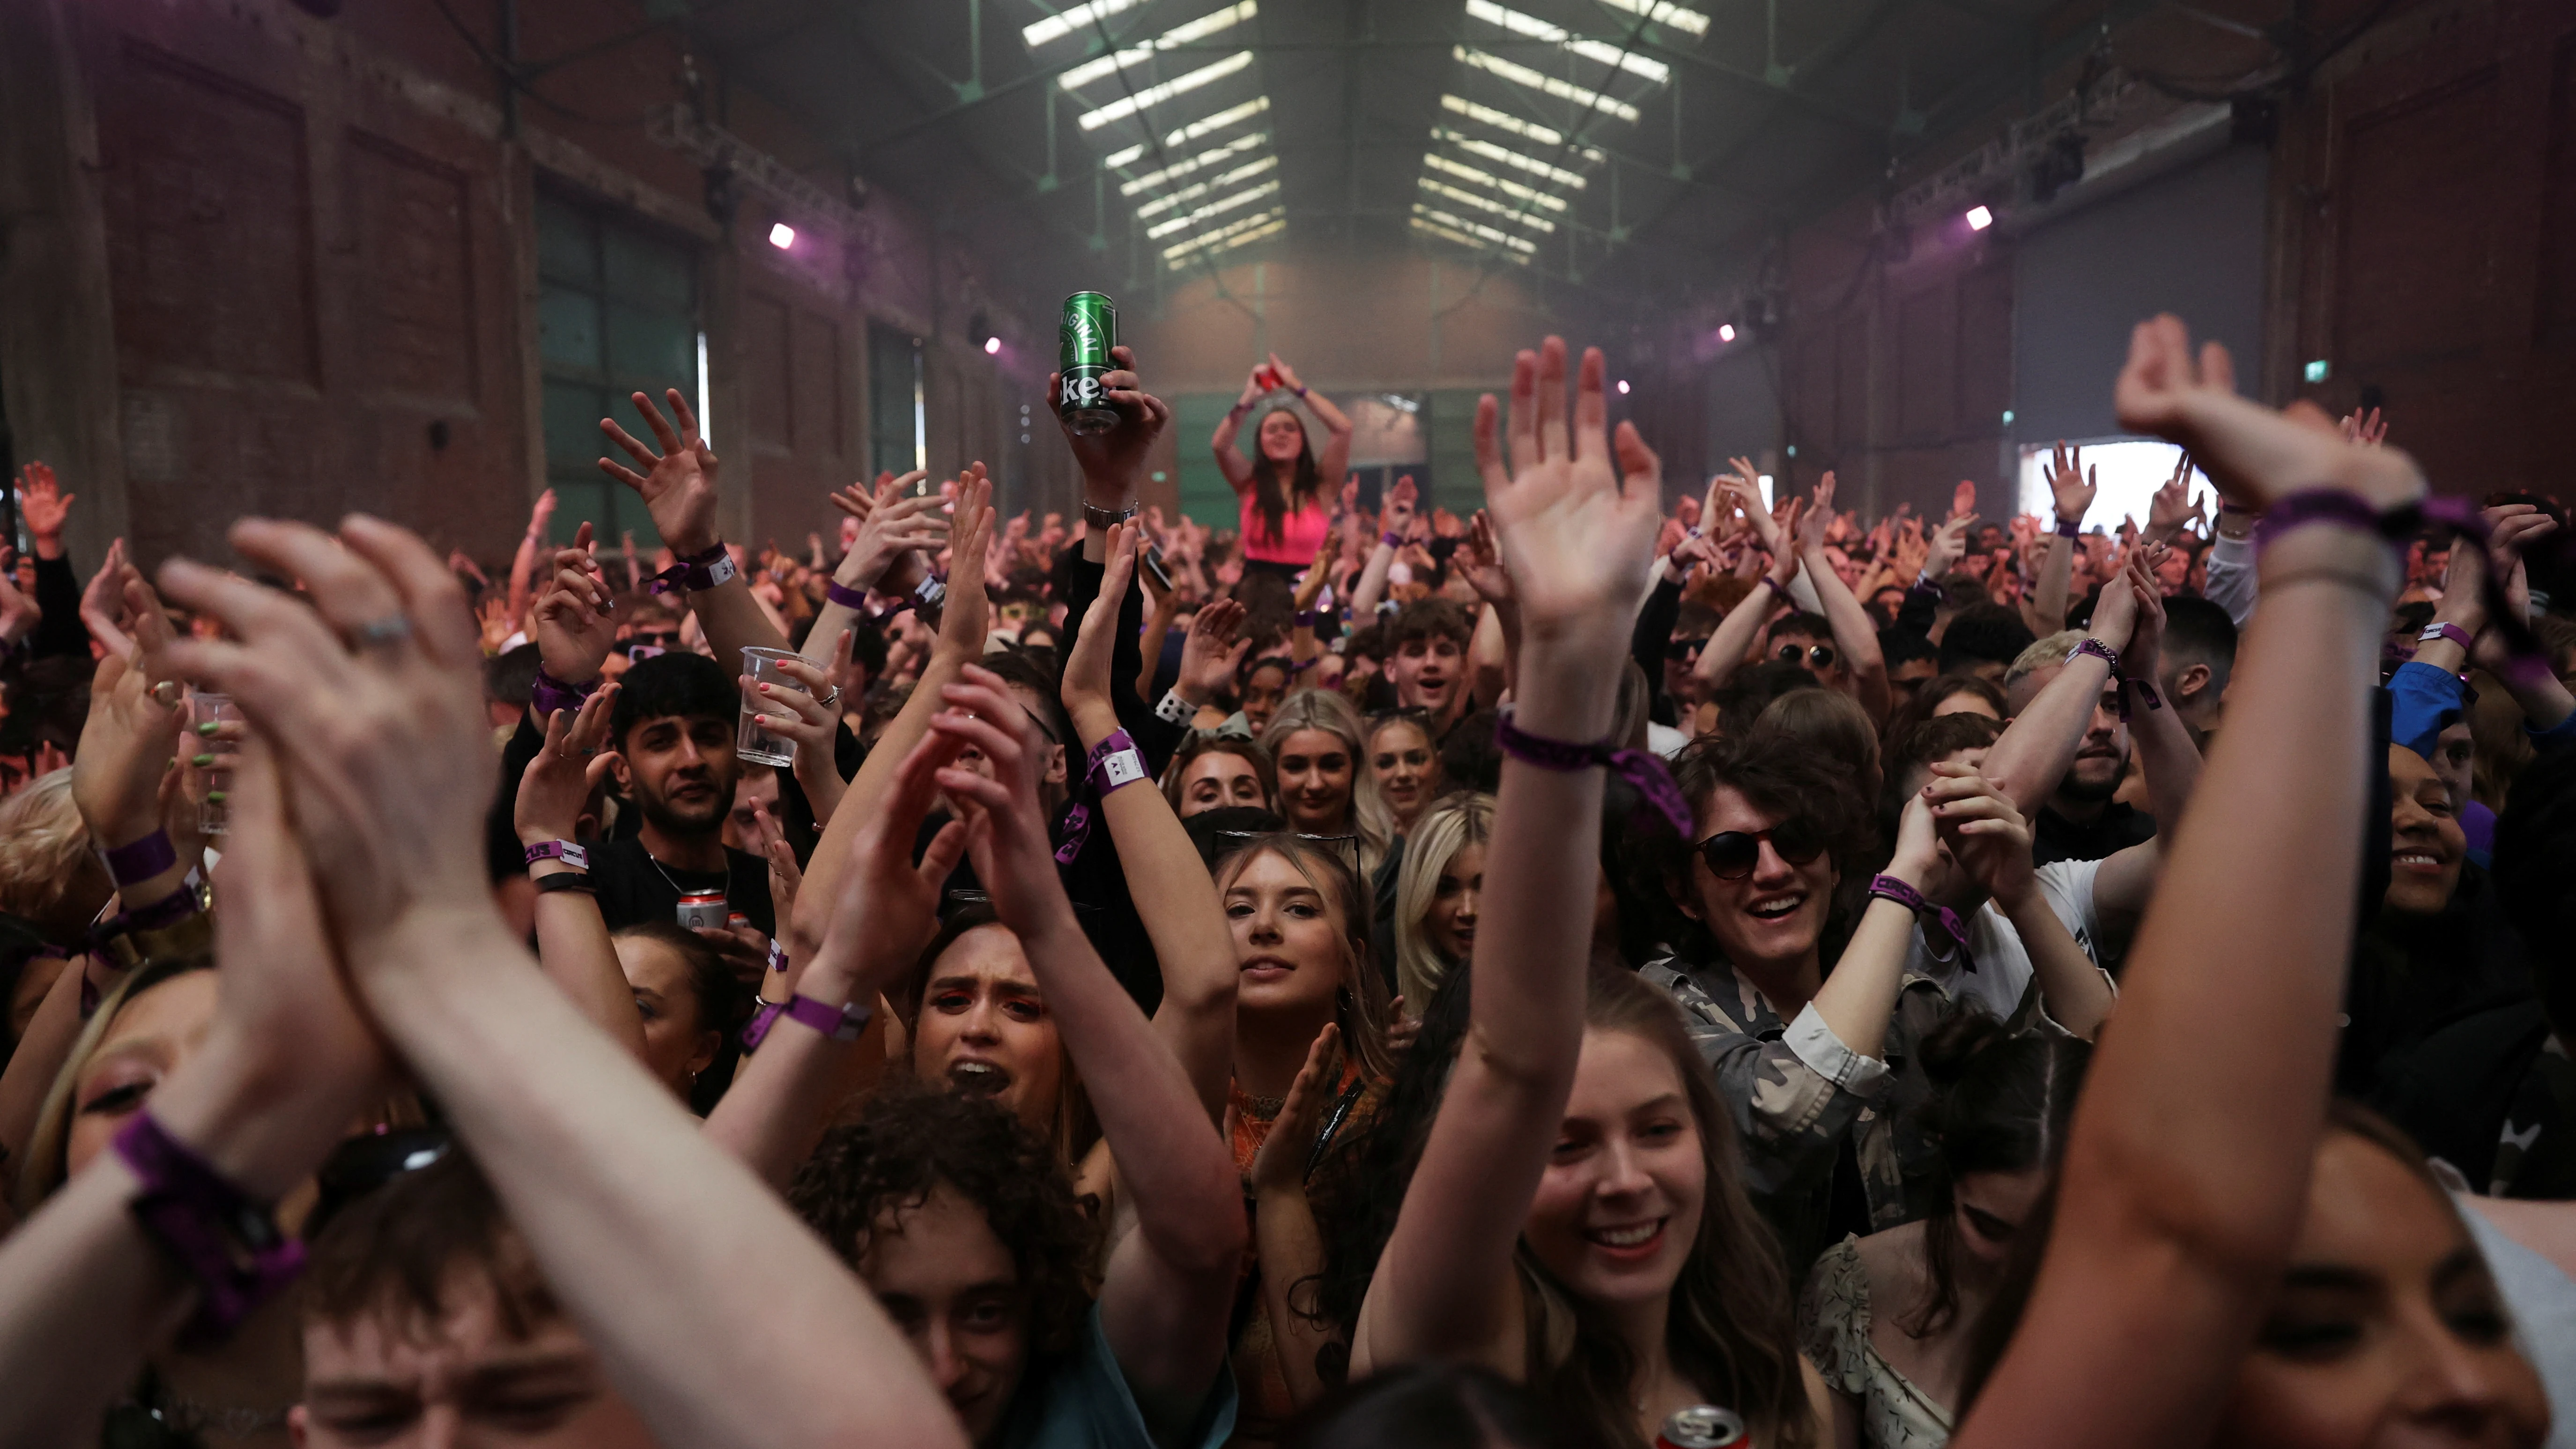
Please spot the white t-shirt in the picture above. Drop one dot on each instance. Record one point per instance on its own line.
(2001, 973)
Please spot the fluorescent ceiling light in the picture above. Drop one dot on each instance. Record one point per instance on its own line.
(1508, 157)
(1445, 234)
(1101, 67)
(1511, 125)
(1471, 228)
(1488, 205)
(1126, 106)
(1438, 162)
(1199, 162)
(1080, 17)
(1218, 122)
(1213, 208)
(1557, 35)
(1242, 233)
(1528, 79)
(1128, 156)
(1688, 22)
(1192, 193)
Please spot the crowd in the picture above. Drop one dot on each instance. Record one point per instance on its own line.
(1572, 974)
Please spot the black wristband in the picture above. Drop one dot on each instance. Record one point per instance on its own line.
(565, 880)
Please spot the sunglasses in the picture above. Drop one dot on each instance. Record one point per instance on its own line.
(1415, 712)
(1819, 655)
(360, 1165)
(1678, 649)
(1732, 854)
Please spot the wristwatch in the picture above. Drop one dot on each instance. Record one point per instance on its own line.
(1106, 518)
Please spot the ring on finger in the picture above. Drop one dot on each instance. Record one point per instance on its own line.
(830, 698)
(378, 633)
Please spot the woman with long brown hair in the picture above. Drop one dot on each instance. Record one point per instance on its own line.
(1282, 488)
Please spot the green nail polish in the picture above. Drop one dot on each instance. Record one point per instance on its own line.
(216, 797)
(201, 761)
(208, 728)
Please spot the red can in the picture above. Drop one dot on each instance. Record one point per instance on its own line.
(702, 910)
(1701, 1426)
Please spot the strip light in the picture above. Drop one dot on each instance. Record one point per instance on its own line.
(1251, 229)
(1213, 208)
(1556, 35)
(1688, 22)
(1442, 163)
(1488, 205)
(1126, 106)
(1523, 76)
(1192, 193)
(1504, 156)
(1199, 162)
(1206, 25)
(1512, 125)
(1195, 129)
(1234, 228)
(1080, 17)
(1459, 225)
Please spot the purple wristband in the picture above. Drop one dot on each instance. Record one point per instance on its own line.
(1888, 887)
(2446, 630)
(1391, 540)
(697, 571)
(140, 860)
(228, 1243)
(848, 598)
(838, 1023)
(2098, 650)
(2070, 527)
(549, 694)
(1113, 762)
(1639, 767)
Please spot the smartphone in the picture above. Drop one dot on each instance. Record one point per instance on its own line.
(1154, 566)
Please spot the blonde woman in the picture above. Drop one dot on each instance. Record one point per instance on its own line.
(1437, 889)
(1318, 746)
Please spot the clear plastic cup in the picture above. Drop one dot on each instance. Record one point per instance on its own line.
(752, 742)
(211, 763)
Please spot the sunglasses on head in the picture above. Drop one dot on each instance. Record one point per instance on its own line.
(1732, 854)
(1684, 648)
(1819, 655)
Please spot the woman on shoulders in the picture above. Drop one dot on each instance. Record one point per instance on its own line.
(1282, 486)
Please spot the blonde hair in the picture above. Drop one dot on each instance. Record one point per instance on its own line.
(1445, 829)
(45, 1163)
(42, 840)
(1315, 709)
(1361, 1007)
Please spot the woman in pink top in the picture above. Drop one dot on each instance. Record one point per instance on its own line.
(1282, 486)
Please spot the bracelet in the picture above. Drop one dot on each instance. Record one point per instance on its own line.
(839, 593)
(1306, 618)
(564, 850)
(138, 861)
(1301, 392)
(2335, 506)
(2446, 630)
(1094, 516)
(565, 880)
(842, 1024)
(228, 1243)
(549, 694)
(1114, 762)
(777, 954)
(2071, 528)
(1172, 709)
(1391, 539)
(699, 571)
(1888, 887)
(2146, 689)
(1640, 768)
(2098, 650)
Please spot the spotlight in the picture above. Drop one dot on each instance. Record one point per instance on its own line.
(782, 236)
(1979, 218)
(1623, 387)
(1726, 332)
(992, 345)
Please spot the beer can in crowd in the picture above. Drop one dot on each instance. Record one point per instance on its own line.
(1089, 329)
(702, 909)
(1701, 1426)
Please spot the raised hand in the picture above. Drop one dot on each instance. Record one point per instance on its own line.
(1212, 650)
(1280, 1164)
(541, 515)
(45, 507)
(574, 628)
(2253, 454)
(19, 612)
(1006, 829)
(1818, 519)
(2070, 483)
(786, 877)
(1785, 562)
(891, 524)
(1987, 837)
(1395, 513)
(126, 746)
(1963, 500)
(1482, 560)
(678, 484)
(555, 789)
(2169, 508)
(2138, 657)
(810, 716)
(1950, 543)
(2366, 430)
(102, 606)
(1086, 669)
(967, 611)
(1113, 462)
(1576, 530)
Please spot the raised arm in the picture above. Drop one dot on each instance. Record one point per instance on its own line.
(747, 1332)
(1854, 634)
(1578, 540)
(898, 535)
(2167, 758)
(573, 948)
(1174, 896)
(678, 486)
(2073, 487)
(1991, 841)
(1229, 458)
(526, 565)
(1394, 516)
(2186, 1172)
(1733, 638)
(2037, 747)
(1335, 459)
(1169, 1288)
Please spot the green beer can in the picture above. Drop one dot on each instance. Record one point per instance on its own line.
(1084, 337)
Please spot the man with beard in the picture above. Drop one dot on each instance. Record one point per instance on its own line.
(673, 730)
(2079, 819)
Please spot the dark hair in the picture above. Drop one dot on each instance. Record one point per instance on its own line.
(1984, 633)
(1428, 1406)
(1932, 693)
(719, 997)
(1199, 743)
(1024, 668)
(1074, 1126)
(2002, 1104)
(1899, 645)
(1752, 690)
(392, 1251)
(1801, 621)
(1783, 777)
(1272, 502)
(1938, 738)
(511, 677)
(1428, 619)
(914, 1138)
(1695, 620)
(689, 686)
(2200, 632)
(1636, 840)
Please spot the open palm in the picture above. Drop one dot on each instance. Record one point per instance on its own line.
(1576, 529)
(678, 484)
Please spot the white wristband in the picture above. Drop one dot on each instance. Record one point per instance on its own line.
(1172, 709)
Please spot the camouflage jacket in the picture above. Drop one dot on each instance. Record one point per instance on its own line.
(1797, 1092)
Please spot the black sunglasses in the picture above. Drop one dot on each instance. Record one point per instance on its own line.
(360, 1165)
(1819, 655)
(1678, 649)
(1732, 854)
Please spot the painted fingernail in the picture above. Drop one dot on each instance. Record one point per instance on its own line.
(217, 797)
(201, 760)
(208, 728)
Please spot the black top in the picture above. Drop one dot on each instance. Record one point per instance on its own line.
(2055, 838)
(633, 889)
(1646, 641)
